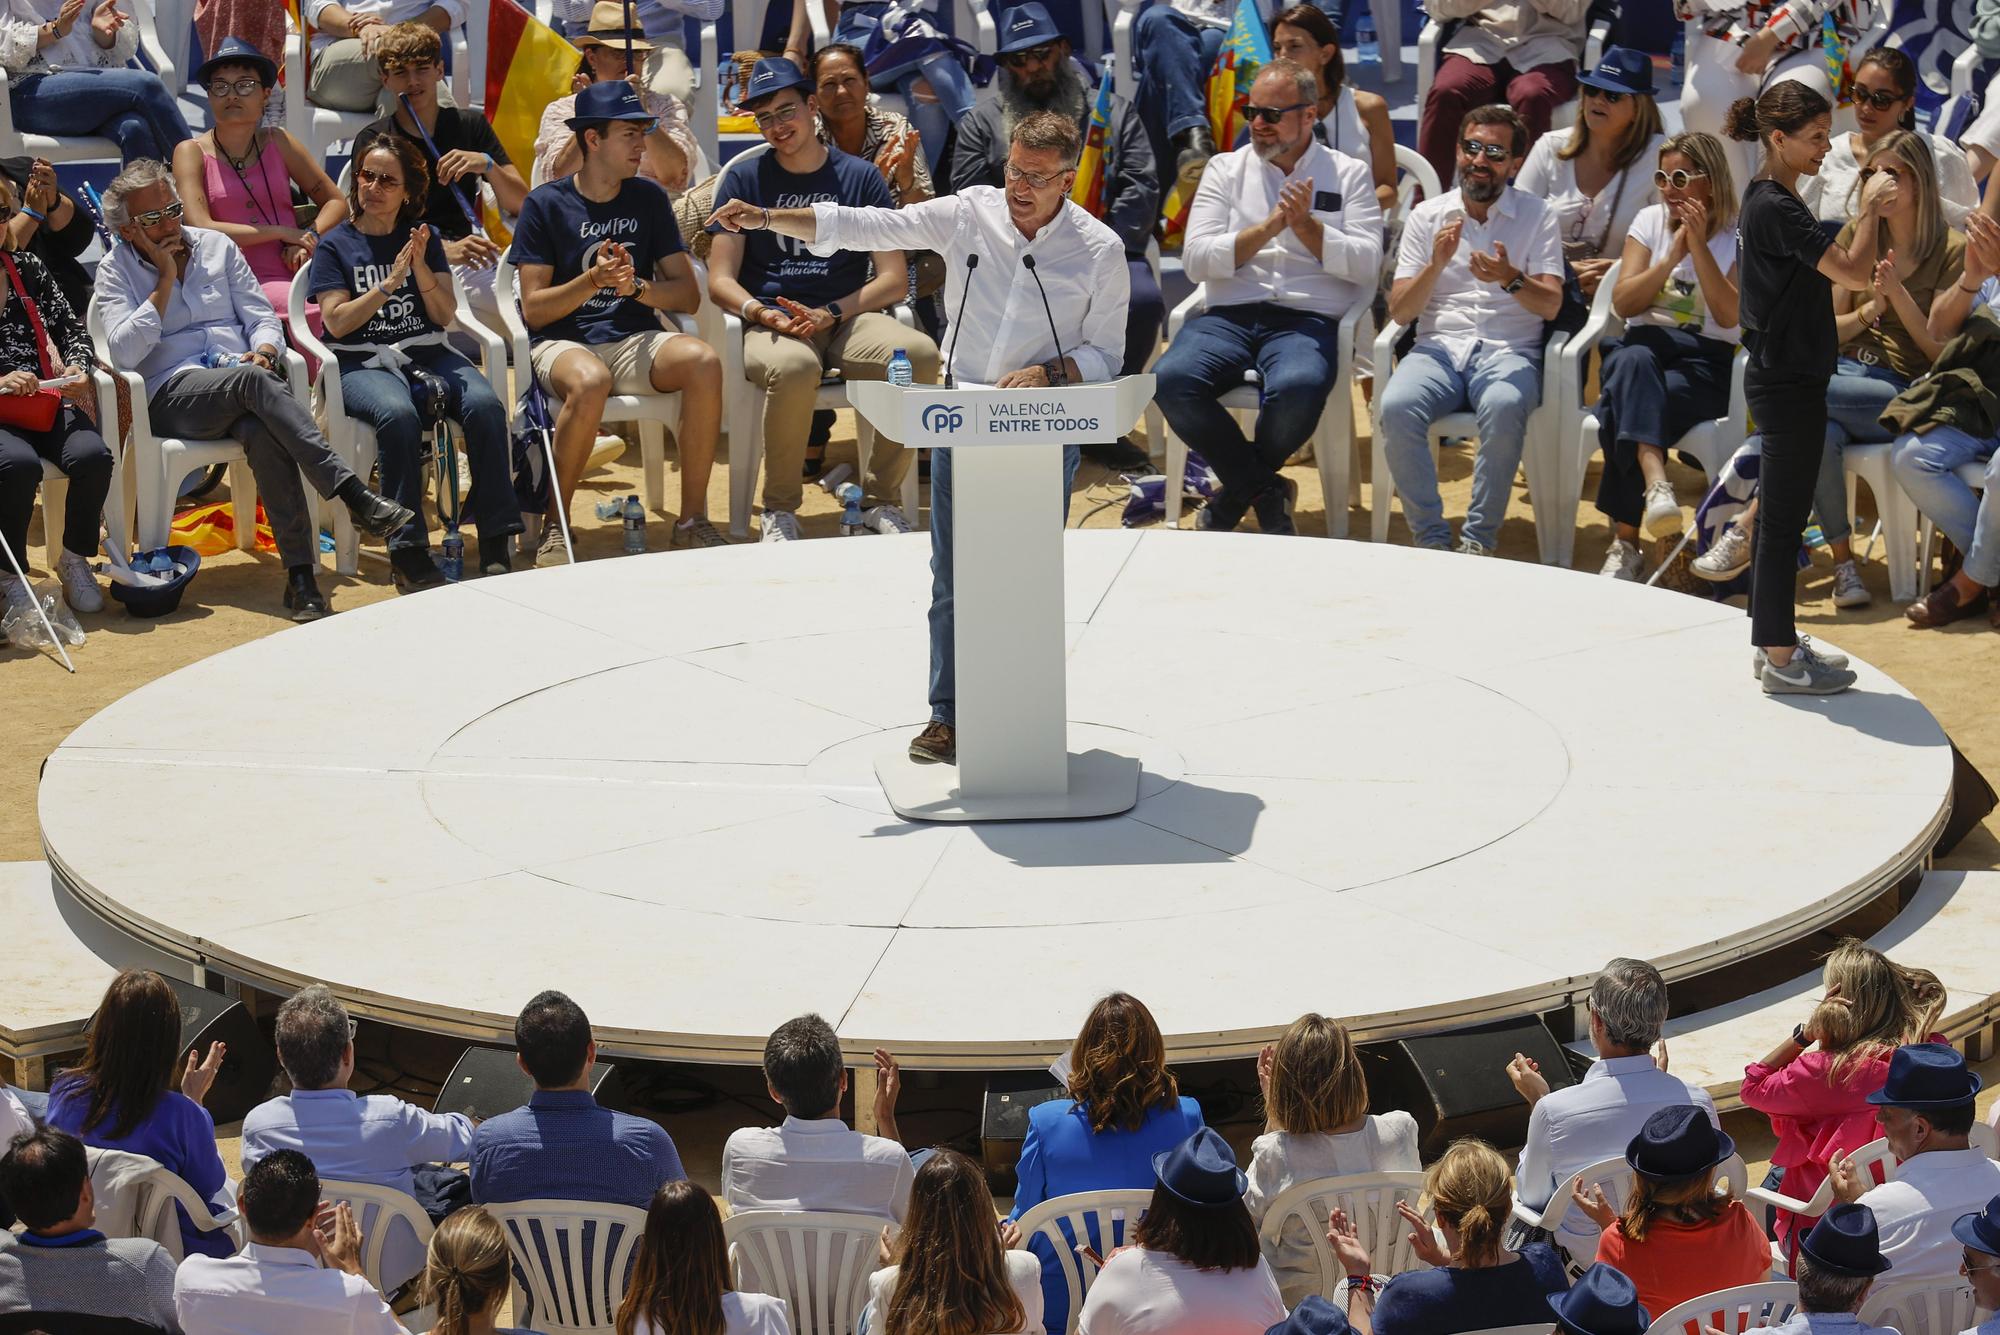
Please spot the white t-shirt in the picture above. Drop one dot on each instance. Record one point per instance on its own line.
(14, 1119)
(1679, 304)
(1831, 194)
(1142, 1292)
(742, 1314)
(1602, 219)
(1024, 1276)
(1280, 1160)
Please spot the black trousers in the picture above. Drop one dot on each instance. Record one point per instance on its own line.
(1789, 410)
(75, 447)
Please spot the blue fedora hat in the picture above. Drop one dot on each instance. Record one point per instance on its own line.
(611, 100)
(1314, 1316)
(1677, 1142)
(1927, 1075)
(1601, 1302)
(1622, 70)
(1024, 26)
(772, 74)
(236, 51)
(1845, 1242)
(1201, 1170)
(1980, 1230)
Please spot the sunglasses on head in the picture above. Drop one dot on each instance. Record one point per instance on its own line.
(1879, 98)
(1604, 95)
(1034, 55)
(153, 216)
(1677, 179)
(1472, 148)
(1272, 115)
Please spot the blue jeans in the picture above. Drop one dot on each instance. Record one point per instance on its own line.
(1171, 58)
(1927, 465)
(947, 78)
(1657, 384)
(1294, 354)
(944, 618)
(382, 400)
(1855, 398)
(130, 106)
(1501, 386)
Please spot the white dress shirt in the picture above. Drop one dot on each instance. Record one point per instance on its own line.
(1914, 1212)
(1080, 261)
(1024, 1276)
(1144, 1292)
(1593, 1120)
(1832, 197)
(816, 1164)
(263, 1289)
(1464, 311)
(392, 12)
(1239, 190)
(217, 306)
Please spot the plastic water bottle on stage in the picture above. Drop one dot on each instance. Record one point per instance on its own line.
(454, 556)
(850, 516)
(1365, 44)
(900, 370)
(635, 526)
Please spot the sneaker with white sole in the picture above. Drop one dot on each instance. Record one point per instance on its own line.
(1729, 557)
(1806, 674)
(1623, 561)
(696, 532)
(885, 519)
(79, 583)
(1848, 590)
(1833, 658)
(551, 551)
(15, 594)
(1663, 512)
(1468, 547)
(780, 527)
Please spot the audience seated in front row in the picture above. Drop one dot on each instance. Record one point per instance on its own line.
(613, 52)
(681, 1274)
(949, 1267)
(60, 1263)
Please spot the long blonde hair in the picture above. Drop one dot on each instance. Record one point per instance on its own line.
(1471, 1189)
(951, 1276)
(1317, 1084)
(1880, 1004)
(466, 1270)
(1920, 174)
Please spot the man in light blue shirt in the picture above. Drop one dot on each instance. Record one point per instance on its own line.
(182, 308)
(1838, 1263)
(375, 1139)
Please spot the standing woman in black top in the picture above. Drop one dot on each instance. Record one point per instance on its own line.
(1787, 268)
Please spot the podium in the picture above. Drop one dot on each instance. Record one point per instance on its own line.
(1014, 761)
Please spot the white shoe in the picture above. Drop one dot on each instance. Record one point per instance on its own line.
(886, 519)
(780, 527)
(1663, 512)
(1729, 557)
(1623, 561)
(603, 450)
(1807, 674)
(15, 595)
(551, 551)
(1833, 658)
(79, 583)
(1467, 547)
(1848, 590)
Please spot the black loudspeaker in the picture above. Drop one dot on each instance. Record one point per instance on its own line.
(488, 1081)
(1003, 1115)
(250, 1065)
(1455, 1084)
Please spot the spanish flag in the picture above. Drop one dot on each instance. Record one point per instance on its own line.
(1245, 50)
(1089, 188)
(528, 66)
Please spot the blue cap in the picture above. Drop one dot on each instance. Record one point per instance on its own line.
(1927, 1075)
(1980, 1230)
(1622, 70)
(1201, 1170)
(772, 74)
(1601, 1302)
(611, 100)
(1024, 26)
(236, 51)
(1313, 1316)
(1845, 1241)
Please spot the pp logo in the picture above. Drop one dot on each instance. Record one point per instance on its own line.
(943, 418)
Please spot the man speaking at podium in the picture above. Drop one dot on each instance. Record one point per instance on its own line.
(1050, 310)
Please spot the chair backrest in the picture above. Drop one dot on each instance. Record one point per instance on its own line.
(1921, 1307)
(376, 1209)
(573, 1257)
(1731, 1311)
(1614, 1176)
(136, 1197)
(818, 1262)
(1369, 1200)
(1417, 177)
(1101, 1219)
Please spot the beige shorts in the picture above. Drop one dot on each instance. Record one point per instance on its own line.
(630, 359)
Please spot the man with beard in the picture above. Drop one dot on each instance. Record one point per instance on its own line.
(1037, 74)
(1285, 236)
(1479, 271)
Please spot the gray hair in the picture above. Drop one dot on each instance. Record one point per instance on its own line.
(139, 175)
(1049, 130)
(1630, 997)
(1823, 1290)
(312, 1036)
(1304, 81)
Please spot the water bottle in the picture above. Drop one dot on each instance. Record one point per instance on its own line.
(453, 564)
(1369, 50)
(216, 357)
(850, 516)
(1680, 52)
(900, 370)
(635, 526)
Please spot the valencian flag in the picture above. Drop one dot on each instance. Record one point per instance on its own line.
(1245, 50)
(1089, 188)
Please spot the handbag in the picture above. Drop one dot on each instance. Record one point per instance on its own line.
(36, 411)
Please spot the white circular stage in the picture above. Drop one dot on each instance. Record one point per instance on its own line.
(1409, 789)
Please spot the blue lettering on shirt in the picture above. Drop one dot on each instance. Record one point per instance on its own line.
(560, 228)
(774, 265)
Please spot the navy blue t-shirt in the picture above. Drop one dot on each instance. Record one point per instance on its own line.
(1445, 1300)
(560, 228)
(775, 266)
(351, 261)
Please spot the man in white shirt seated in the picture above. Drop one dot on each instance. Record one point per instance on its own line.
(1838, 1263)
(1927, 1112)
(813, 1161)
(376, 1139)
(1285, 236)
(1479, 272)
(1594, 1119)
(300, 1273)
(344, 74)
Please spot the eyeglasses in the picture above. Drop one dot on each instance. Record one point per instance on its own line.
(1034, 55)
(782, 116)
(241, 87)
(1678, 180)
(1967, 1267)
(153, 216)
(1472, 148)
(1879, 98)
(365, 177)
(1272, 115)
(1604, 95)
(397, 66)
(1035, 179)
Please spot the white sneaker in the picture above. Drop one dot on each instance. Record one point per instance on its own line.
(1848, 590)
(603, 450)
(551, 551)
(15, 594)
(1467, 547)
(886, 519)
(1833, 658)
(1729, 557)
(1663, 512)
(1623, 561)
(780, 527)
(1806, 674)
(79, 583)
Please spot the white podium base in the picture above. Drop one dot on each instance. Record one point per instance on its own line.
(1100, 784)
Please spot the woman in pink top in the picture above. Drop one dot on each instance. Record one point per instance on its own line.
(1814, 1085)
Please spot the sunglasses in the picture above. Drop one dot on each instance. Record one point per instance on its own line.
(1034, 55)
(365, 177)
(152, 217)
(1604, 95)
(1035, 179)
(1272, 115)
(1678, 179)
(782, 116)
(241, 87)
(1473, 149)
(1880, 99)
(408, 66)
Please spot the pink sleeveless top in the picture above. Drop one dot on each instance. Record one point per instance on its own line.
(259, 196)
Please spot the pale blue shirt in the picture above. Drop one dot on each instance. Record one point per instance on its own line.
(218, 305)
(1828, 1323)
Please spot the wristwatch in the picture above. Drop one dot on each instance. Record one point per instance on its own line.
(833, 309)
(1520, 281)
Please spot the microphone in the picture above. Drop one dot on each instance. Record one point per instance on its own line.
(1062, 370)
(971, 263)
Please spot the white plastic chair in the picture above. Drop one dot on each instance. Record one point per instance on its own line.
(1875, 1154)
(1732, 1311)
(818, 1262)
(1332, 440)
(1103, 1219)
(136, 1196)
(320, 128)
(1972, 475)
(55, 491)
(1921, 1307)
(1870, 464)
(1710, 442)
(1614, 1176)
(1417, 176)
(376, 1211)
(84, 147)
(1596, 39)
(1370, 1201)
(575, 1256)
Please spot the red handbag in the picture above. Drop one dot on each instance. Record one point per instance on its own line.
(36, 411)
